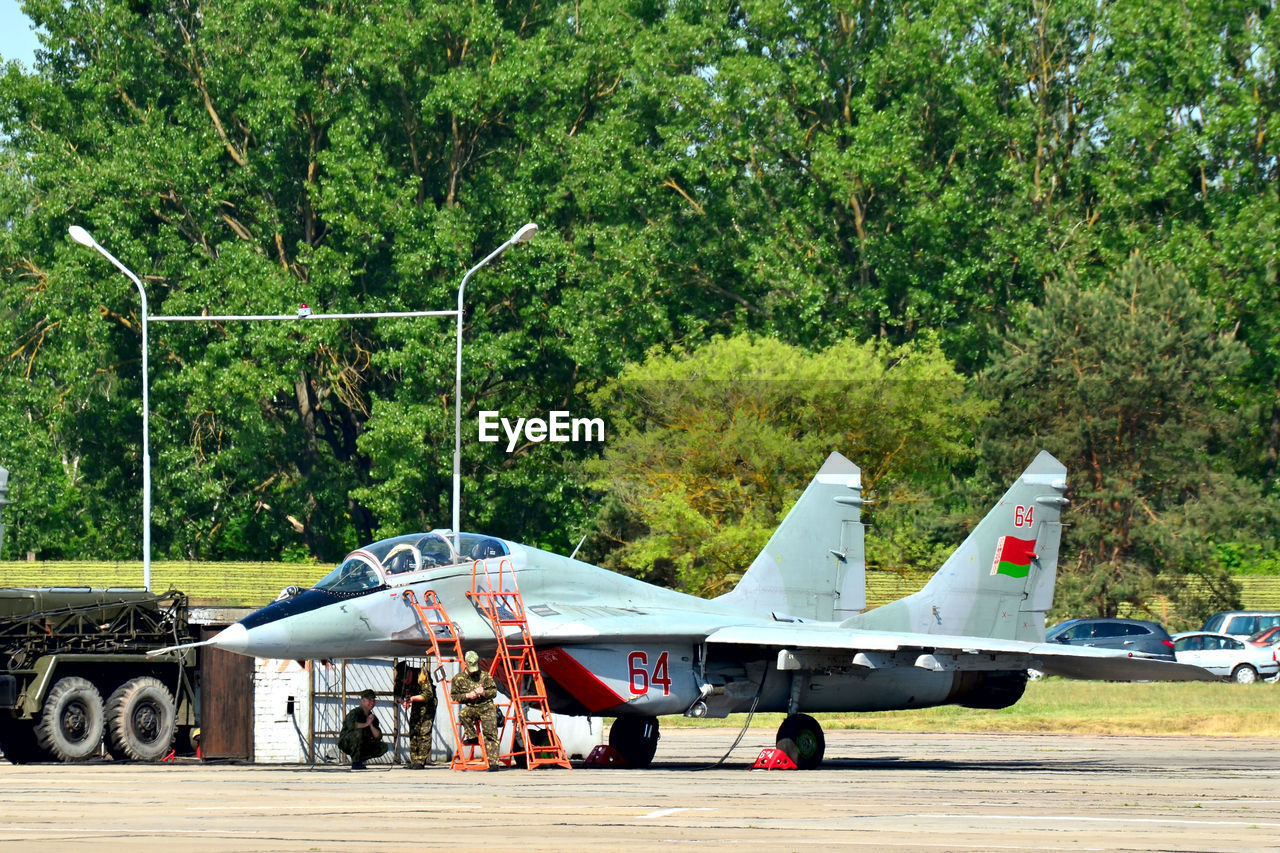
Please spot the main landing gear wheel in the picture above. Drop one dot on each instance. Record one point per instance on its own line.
(141, 720)
(635, 739)
(800, 737)
(71, 722)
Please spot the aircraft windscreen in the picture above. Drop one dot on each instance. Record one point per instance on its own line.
(411, 553)
(365, 568)
(355, 574)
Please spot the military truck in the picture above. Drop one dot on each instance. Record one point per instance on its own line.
(76, 676)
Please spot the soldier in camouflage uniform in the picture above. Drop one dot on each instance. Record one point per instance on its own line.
(474, 690)
(422, 714)
(361, 737)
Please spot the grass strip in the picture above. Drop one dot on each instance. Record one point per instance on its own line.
(1056, 705)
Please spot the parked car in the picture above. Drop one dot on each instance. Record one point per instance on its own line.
(1228, 656)
(1269, 637)
(1241, 623)
(1148, 639)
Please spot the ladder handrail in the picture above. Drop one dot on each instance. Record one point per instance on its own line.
(520, 668)
(460, 761)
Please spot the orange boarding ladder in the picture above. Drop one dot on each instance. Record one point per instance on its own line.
(499, 600)
(446, 648)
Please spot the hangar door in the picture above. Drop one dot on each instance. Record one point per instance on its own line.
(226, 702)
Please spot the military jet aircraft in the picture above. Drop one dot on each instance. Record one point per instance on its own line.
(793, 636)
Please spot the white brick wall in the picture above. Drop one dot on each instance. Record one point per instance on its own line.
(278, 736)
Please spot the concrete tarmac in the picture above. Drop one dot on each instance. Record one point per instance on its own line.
(877, 791)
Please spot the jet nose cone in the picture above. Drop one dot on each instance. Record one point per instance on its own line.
(232, 639)
(270, 640)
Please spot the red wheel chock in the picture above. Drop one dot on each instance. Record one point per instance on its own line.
(773, 758)
(605, 756)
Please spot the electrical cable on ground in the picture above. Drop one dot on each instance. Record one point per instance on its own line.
(746, 725)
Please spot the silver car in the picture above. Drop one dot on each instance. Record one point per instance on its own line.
(1225, 655)
(1241, 623)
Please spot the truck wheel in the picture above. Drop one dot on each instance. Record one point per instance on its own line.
(70, 723)
(141, 720)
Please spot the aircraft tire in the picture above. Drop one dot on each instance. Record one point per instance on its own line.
(635, 739)
(801, 738)
(1244, 674)
(70, 724)
(141, 720)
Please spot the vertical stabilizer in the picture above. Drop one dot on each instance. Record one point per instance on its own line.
(999, 582)
(812, 567)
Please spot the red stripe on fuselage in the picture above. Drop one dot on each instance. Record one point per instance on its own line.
(580, 682)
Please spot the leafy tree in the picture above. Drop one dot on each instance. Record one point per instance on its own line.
(903, 167)
(712, 445)
(1184, 169)
(1248, 558)
(805, 171)
(246, 157)
(1119, 380)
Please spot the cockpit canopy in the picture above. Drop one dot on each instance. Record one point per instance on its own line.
(390, 561)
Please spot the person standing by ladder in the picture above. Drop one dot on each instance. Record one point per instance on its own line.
(474, 690)
(421, 705)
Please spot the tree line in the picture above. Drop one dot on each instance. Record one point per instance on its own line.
(932, 235)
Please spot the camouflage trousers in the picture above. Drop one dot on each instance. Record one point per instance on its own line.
(486, 716)
(421, 720)
(364, 749)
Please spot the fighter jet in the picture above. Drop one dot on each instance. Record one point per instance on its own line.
(794, 635)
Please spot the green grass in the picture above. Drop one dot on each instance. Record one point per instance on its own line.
(1057, 705)
(226, 584)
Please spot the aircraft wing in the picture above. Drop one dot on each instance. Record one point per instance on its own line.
(800, 645)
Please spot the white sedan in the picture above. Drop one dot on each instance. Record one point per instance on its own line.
(1226, 656)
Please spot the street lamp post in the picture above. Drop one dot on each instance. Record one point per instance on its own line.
(524, 235)
(4, 502)
(84, 238)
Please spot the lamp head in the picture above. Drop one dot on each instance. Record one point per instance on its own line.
(525, 234)
(82, 236)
